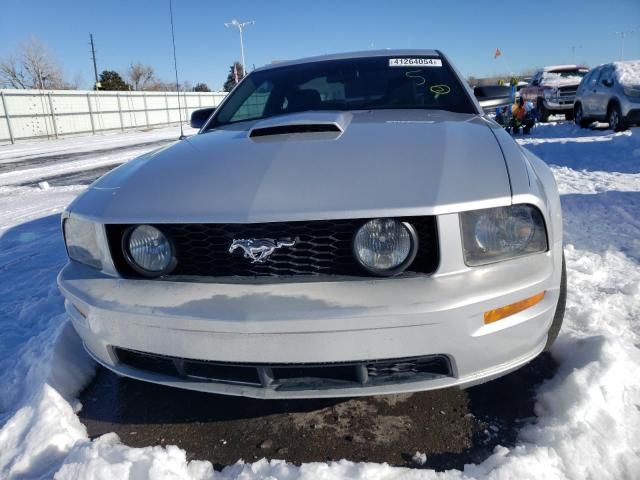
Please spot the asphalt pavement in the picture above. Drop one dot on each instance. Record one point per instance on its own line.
(451, 426)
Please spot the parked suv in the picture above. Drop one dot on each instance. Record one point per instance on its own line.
(553, 89)
(610, 92)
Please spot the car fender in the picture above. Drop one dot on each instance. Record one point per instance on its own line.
(532, 182)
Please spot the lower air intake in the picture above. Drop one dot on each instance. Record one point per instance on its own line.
(291, 377)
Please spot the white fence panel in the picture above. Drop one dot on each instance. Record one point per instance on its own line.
(28, 114)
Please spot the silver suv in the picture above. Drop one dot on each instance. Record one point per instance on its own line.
(610, 92)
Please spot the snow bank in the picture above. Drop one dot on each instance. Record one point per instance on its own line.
(628, 72)
(78, 154)
(88, 143)
(588, 423)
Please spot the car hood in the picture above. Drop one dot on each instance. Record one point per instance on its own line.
(370, 163)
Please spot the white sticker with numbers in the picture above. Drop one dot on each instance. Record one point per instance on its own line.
(415, 62)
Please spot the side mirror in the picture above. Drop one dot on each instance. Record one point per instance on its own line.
(200, 117)
(607, 82)
(493, 96)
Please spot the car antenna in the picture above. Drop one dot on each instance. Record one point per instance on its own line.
(175, 67)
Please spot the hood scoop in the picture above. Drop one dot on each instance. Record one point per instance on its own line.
(287, 129)
(302, 123)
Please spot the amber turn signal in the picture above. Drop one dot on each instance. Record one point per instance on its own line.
(502, 312)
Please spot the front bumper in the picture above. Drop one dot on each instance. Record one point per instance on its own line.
(341, 320)
(559, 103)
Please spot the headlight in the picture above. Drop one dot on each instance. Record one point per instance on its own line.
(550, 93)
(632, 91)
(385, 246)
(148, 251)
(81, 240)
(501, 233)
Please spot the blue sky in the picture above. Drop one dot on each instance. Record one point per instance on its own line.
(529, 33)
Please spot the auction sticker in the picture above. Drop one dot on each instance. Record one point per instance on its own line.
(415, 62)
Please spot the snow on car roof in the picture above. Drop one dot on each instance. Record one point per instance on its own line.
(359, 54)
(554, 68)
(628, 72)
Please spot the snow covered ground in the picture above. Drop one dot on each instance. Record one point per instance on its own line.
(25, 163)
(588, 414)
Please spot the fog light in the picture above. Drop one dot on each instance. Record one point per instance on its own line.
(385, 246)
(148, 251)
(508, 310)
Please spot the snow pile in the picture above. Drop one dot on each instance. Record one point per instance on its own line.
(628, 72)
(588, 423)
(108, 458)
(419, 458)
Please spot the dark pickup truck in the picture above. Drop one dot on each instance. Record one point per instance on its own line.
(553, 90)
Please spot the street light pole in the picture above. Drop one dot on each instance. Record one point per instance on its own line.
(573, 52)
(622, 36)
(240, 26)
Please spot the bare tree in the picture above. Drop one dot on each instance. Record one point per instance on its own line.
(160, 86)
(12, 74)
(140, 76)
(34, 67)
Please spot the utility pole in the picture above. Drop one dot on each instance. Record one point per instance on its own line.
(573, 52)
(175, 66)
(95, 67)
(240, 26)
(622, 36)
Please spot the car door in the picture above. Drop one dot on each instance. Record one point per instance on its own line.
(603, 91)
(587, 93)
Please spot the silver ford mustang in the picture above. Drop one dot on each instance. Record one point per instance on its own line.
(342, 225)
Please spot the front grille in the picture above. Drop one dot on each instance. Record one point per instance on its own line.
(292, 377)
(570, 90)
(567, 94)
(323, 247)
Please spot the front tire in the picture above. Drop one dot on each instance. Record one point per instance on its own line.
(543, 113)
(614, 117)
(558, 316)
(579, 118)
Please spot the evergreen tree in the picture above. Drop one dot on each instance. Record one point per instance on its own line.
(201, 87)
(111, 80)
(234, 71)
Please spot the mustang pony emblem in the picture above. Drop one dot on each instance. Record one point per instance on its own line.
(259, 250)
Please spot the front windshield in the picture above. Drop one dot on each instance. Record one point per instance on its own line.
(351, 84)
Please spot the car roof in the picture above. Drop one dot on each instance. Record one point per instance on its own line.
(353, 55)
